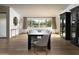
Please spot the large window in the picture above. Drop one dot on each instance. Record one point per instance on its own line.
(39, 22)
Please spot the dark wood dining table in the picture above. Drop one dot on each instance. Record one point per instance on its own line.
(35, 33)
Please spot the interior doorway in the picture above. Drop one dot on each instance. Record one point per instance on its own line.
(3, 25)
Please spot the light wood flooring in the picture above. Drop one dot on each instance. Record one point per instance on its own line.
(19, 46)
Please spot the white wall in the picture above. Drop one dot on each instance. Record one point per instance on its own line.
(58, 23)
(2, 25)
(13, 14)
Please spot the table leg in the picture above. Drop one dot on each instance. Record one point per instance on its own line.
(29, 42)
(49, 43)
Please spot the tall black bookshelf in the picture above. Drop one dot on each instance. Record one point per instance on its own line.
(75, 25)
(65, 19)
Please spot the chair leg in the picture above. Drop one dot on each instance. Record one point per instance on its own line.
(35, 50)
(46, 50)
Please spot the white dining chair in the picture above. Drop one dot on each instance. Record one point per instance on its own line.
(41, 43)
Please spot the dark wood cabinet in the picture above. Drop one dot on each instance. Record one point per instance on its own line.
(75, 25)
(65, 25)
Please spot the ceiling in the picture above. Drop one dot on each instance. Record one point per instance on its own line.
(37, 10)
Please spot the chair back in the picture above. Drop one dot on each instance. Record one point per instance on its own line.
(43, 41)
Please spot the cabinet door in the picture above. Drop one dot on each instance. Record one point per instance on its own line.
(73, 26)
(61, 25)
(77, 27)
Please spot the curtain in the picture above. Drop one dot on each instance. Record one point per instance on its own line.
(54, 23)
(24, 22)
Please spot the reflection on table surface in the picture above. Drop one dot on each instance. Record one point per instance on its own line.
(39, 32)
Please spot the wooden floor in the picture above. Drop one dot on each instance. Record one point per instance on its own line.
(19, 46)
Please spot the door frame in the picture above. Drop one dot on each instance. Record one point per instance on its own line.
(7, 25)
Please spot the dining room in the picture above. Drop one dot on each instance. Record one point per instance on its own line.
(32, 29)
